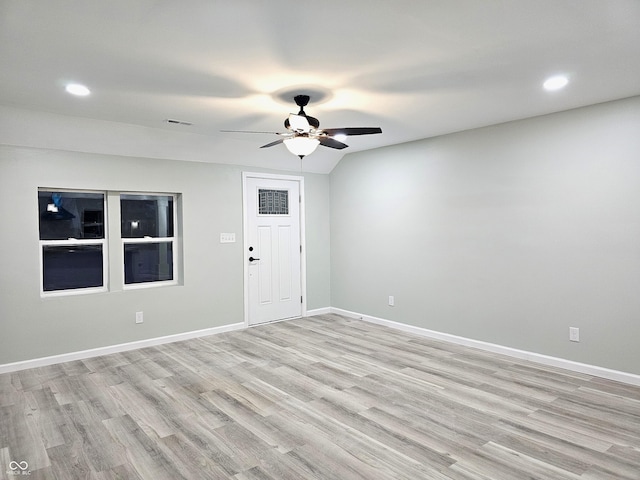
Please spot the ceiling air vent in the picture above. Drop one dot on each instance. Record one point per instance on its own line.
(178, 122)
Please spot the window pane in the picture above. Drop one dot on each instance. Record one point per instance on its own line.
(148, 262)
(273, 202)
(146, 216)
(66, 215)
(67, 267)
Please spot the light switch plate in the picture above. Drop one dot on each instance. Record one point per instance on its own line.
(227, 238)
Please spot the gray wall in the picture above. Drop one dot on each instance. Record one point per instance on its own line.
(212, 293)
(508, 234)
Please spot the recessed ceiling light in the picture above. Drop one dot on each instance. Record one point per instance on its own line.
(77, 89)
(555, 83)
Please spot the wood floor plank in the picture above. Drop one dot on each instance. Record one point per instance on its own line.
(502, 462)
(325, 397)
(194, 463)
(143, 450)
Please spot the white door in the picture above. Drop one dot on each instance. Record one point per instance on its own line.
(272, 249)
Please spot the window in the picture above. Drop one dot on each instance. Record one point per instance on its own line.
(72, 240)
(273, 202)
(74, 244)
(147, 230)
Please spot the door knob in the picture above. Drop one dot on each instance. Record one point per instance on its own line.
(251, 259)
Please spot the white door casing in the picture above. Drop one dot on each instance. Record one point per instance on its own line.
(273, 241)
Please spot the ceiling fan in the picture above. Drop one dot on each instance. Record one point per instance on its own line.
(304, 134)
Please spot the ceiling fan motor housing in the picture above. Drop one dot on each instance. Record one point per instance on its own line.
(301, 100)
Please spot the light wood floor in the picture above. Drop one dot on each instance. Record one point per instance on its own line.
(317, 398)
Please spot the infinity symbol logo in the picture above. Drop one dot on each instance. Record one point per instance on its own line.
(18, 466)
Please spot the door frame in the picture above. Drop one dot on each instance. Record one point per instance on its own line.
(245, 239)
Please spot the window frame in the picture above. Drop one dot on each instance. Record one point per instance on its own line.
(114, 241)
(103, 242)
(152, 240)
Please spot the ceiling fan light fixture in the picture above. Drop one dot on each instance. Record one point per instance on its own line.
(301, 146)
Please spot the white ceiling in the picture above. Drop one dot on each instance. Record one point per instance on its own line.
(416, 68)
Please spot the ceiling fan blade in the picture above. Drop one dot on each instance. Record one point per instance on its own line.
(299, 123)
(277, 142)
(352, 131)
(332, 143)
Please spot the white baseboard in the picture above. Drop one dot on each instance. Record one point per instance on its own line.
(318, 311)
(570, 365)
(123, 347)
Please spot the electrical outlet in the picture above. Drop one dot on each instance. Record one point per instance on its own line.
(139, 317)
(392, 300)
(574, 334)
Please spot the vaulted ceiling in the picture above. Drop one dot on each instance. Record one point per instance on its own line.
(415, 68)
